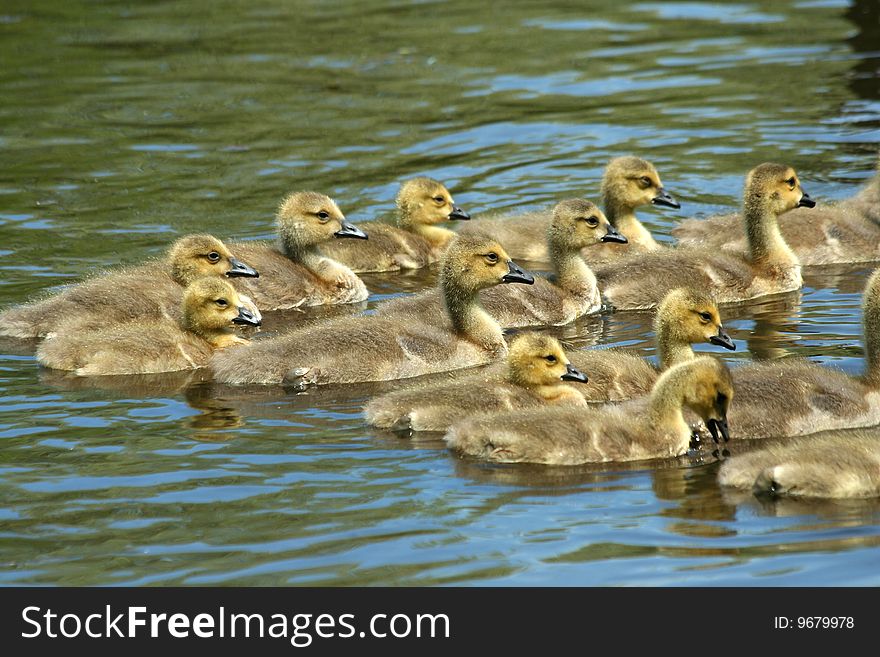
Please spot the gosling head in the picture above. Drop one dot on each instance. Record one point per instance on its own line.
(305, 219)
(630, 182)
(475, 262)
(539, 360)
(775, 188)
(425, 202)
(194, 256)
(688, 316)
(708, 393)
(578, 223)
(211, 306)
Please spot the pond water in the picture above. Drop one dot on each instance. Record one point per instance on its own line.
(126, 125)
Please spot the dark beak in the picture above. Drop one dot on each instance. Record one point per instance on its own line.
(806, 201)
(613, 236)
(718, 426)
(574, 374)
(723, 340)
(665, 199)
(241, 269)
(350, 230)
(458, 214)
(245, 317)
(516, 274)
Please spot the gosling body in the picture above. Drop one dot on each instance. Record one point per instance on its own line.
(769, 267)
(293, 271)
(833, 465)
(211, 307)
(627, 183)
(150, 291)
(564, 436)
(393, 345)
(844, 232)
(416, 241)
(535, 374)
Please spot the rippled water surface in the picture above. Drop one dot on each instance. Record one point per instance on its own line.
(126, 124)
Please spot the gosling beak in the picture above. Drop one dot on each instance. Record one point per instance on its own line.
(350, 230)
(516, 274)
(723, 340)
(574, 374)
(806, 201)
(665, 199)
(241, 269)
(613, 236)
(245, 317)
(458, 214)
(718, 426)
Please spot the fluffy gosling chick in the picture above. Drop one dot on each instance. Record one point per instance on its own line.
(416, 241)
(571, 436)
(294, 272)
(535, 373)
(211, 307)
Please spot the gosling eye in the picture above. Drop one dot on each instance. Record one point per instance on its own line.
(721, 399)
(492, 258)
(593, 221)
(705, 317)
(550, 359)
(223, 303)
(645, 182)
(213, 256)
(791, 181)
(440, 199)
(323, 215)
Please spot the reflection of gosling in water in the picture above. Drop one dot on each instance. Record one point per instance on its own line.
(416, 241)
(769, 267)
(390, 345)
(569, 436)
(628, 183)
(293, 272)
(848, 231)
(833, 465)
(555, 300)
(149, 291)
(535, 373)
(211, 307)
(684, 317)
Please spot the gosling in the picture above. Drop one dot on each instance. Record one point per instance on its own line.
(211, 307)
(294, 272)
(144, 292)
(844, 232)
(627, 184)
(416, 241)
(769, 267)
(535, 374)
(572, 436)
(684, 317)
(392, 345)
(833, 465)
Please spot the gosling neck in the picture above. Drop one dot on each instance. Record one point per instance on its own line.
(305, 254)
(623, 217)
(572, 273)
(436, 235)
(871, 322)
(670, 348)
(665, 414)
(217, 338)
(767, 248)
(467, 316)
